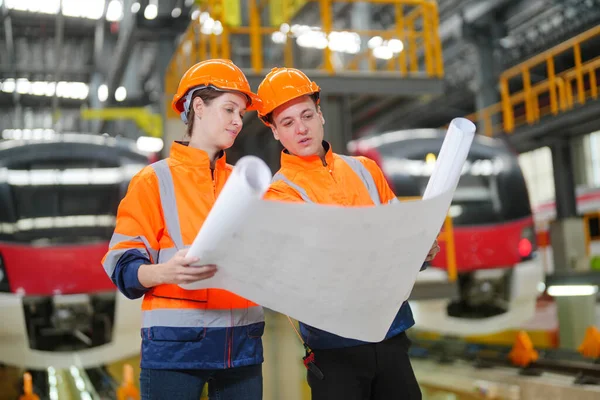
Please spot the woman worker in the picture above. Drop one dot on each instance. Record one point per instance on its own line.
(189, 337)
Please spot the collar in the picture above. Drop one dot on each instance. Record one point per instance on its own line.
(310, 162)
(194, 157)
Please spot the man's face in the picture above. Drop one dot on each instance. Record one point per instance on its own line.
(298, 125)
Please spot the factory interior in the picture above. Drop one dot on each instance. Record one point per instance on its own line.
(509, 307)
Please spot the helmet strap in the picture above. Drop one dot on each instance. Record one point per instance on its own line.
(187, 103)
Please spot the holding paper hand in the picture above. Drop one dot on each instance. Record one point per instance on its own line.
(433, 252)
(178, 270)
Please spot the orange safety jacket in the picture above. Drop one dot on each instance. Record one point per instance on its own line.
(340, 180)
(165, 206)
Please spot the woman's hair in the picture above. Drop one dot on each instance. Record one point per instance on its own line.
(207, 94)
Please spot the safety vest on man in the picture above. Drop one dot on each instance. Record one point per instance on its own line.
(340, 180)
(166, 204)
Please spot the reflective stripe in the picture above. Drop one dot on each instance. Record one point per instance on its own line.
(119, 238)
(280, 177)
(112, 257)
(198, 318)
(364, 174)
(168, 201)
(166, 254)
(356, 166)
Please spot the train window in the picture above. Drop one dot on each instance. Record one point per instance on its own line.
(53, 201)
(491, 189)
(64, 192)
(594, 227)
(89, 200)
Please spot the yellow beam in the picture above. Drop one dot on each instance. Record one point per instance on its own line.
(147, 121)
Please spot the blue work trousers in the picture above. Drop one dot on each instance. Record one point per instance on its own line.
(241, 383)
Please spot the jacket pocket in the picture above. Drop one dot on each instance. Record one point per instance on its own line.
(175, 292)
(255, 331)
(168, 334)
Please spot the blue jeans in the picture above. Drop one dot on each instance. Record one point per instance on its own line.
(241, 383)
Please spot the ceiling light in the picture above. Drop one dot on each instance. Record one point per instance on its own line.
(120, 93)
(572, 290)
(102, 92)
(151, 11)
(114, 11)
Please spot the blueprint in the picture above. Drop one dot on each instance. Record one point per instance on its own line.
(345, 270)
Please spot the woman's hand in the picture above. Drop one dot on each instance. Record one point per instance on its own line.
(433, 251)
(175, 271)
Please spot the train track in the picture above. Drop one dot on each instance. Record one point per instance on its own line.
(557, 361)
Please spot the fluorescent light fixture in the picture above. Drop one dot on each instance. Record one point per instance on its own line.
(151, 12)
(120, 93)
(114, 12)
(67, 90)
(102, 93)
(91, 9)
(572, 290)
(148, 144)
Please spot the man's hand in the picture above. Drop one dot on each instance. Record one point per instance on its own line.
(433, 252)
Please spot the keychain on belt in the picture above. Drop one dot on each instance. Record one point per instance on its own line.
(309, 358)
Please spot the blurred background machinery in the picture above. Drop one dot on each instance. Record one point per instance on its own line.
(85, 89)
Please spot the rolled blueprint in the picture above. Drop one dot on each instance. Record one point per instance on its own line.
(308, 260)
(249, 181)
(451, 159)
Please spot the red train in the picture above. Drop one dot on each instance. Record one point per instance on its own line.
(59, 199)
(499, 273)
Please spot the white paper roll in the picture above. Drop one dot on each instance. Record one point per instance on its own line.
(248, 182)
(451, 159)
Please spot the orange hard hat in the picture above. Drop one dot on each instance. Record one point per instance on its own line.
(220, 74)
(280, 86)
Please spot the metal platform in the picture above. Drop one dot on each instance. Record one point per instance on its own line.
(581, 120)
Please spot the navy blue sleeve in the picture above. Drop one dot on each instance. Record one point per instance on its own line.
(424, 266)
(125, 275)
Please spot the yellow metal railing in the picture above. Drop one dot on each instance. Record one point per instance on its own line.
(558, 93)
(445, 236)
(412, 44)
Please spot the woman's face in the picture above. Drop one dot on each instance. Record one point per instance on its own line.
(218, 123)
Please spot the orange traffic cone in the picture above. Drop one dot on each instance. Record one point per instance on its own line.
(523, 353)
(127, 390)
(28, 388)
(590, 347)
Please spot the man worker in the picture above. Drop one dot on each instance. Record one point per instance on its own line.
(311, 172)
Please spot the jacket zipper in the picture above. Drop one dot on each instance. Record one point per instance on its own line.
(328, 170)
(214, 183)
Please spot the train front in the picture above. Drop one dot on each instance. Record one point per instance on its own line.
(59, 196)
(499, 276)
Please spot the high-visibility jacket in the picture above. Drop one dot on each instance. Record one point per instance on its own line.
(341, 180)
(165, 206)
